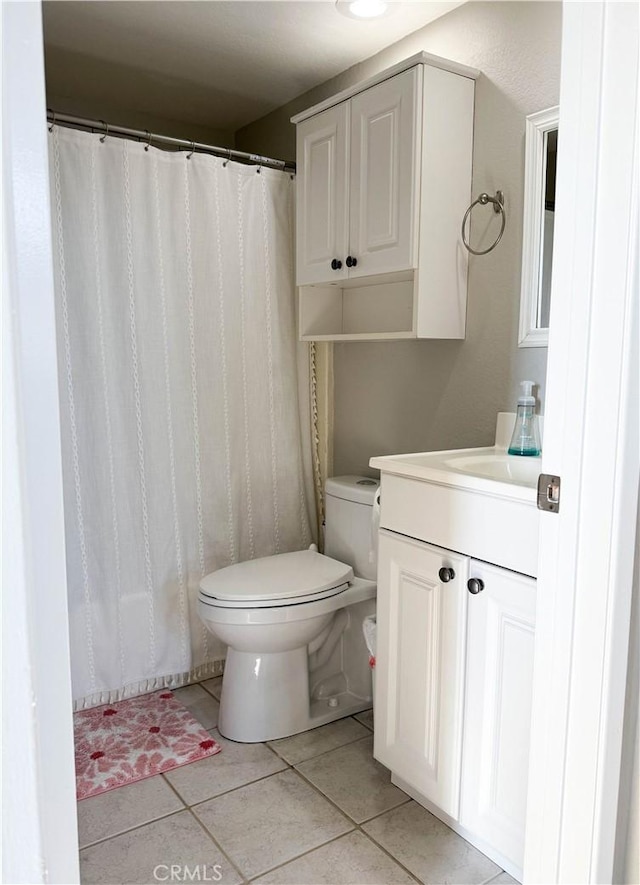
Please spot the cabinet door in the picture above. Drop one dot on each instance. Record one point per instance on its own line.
(385, 134)
(500, 637)
(419, 666)
(322, 194)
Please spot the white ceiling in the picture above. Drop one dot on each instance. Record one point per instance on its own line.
(215, 62)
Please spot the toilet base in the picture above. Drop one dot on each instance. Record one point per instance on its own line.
(266, 697)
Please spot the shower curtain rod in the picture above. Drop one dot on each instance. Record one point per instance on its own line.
(180, 143)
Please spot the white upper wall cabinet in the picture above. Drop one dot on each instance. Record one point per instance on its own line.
(358, 196)
(323, 200)
(384, 179)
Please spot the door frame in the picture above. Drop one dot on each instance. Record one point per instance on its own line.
(40, 835)
(585, 573)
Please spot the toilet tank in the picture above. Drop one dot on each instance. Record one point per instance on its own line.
(350, 535)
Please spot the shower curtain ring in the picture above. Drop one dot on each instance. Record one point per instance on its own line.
(193, 147)
(148, 144)
(259, 169)
(53, 121)
(228, 158)
(106, 131)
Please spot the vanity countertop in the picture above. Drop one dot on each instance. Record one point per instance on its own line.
(484, 470)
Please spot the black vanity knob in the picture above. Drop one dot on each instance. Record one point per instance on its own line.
(351, 262)
(336, 264)
(446, 575)
(475, 585)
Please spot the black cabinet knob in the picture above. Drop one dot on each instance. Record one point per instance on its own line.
(475, 585)
(446, 575)
(351, 261)
(336, 264)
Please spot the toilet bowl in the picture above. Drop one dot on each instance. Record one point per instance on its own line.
(292, 623)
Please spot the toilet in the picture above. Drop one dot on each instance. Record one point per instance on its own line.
(292, 622)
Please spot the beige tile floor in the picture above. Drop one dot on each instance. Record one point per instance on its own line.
(313, 809)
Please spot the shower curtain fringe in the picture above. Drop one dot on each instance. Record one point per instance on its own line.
(177, 680)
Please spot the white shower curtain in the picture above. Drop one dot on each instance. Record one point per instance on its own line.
(182, 443)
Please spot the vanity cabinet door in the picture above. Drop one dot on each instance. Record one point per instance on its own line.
(323, 198)
(421, 622)
(500, 639)
(385, 133)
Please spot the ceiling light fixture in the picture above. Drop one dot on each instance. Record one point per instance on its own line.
(363, 8)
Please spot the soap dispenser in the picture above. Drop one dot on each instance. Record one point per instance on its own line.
(525, 439)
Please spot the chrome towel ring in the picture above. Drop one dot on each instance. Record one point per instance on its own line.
(498, 206)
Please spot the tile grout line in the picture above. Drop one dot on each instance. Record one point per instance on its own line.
(257, 780)
(299, 856)
(131, 829)
(386, 811)
(235, 789)
(208, 690)
(329, 842)
(355, 716)
(205, 830)
(185, 688)
(341, 810)
(324, 752)
(361, 739)
(172, 788)
(488, 881)
(217, 844)
(388, 853)
(397, 860)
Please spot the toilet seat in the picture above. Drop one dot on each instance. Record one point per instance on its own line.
(285, 579)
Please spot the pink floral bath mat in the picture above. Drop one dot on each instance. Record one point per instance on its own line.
(125, 742)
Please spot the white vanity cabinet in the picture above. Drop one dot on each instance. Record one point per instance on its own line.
(454, 659)
(497, 708)
(420, 665)
(383, 181)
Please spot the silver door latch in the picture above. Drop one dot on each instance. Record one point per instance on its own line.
(549, 492)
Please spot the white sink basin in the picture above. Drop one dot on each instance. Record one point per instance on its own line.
(487, 469)
(498, 465)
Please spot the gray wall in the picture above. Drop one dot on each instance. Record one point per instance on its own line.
(424, 395)
(85, 86)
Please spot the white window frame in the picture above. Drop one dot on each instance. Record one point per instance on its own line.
(531, 334)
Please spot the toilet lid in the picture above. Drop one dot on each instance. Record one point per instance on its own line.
(277, 579)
